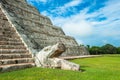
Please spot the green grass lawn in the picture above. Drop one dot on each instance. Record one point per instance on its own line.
(100, 68)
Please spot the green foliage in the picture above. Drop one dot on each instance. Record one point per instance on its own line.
(95, 50)
(118, 50)
(105, 49)
(100, 68)
(108, 48)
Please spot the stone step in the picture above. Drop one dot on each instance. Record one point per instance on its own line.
(9, 35)
(12, 47)
(7, 29)
(14, 56)
(7, 32)
(15, 61)
(15, 53)
(11, 43)
(8, 39)
(10, 51)
(4, 38)
(6, 68)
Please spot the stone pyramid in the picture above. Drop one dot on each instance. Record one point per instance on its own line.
(13, 52)
(35, 30)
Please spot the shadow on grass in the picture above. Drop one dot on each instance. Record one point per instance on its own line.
(82, 68)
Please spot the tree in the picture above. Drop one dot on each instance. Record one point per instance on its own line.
(88, 46)
(118, 50)
(109, 49)
(105, 49)
(95, 50)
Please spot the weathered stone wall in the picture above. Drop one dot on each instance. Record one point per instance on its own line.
(37, 30)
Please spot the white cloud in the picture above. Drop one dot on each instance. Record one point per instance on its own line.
(78, 26)
(66, 7)
(79, 41)
(38, 1)
(105, 41)
(111, 26)
(72, 3)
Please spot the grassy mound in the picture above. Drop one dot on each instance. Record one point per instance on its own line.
(99, 68)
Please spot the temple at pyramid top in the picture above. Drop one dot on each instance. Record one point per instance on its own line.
(36, 30)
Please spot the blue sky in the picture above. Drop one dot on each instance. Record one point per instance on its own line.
(90, 22)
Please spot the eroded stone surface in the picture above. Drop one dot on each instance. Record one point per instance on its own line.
(47, 57)
(37, 30)
(14, 54)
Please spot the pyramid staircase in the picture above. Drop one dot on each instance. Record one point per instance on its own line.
(13, 53)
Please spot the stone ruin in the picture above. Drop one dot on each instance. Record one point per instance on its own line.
(48, 58)
(24, 32)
